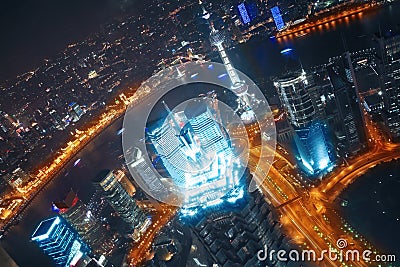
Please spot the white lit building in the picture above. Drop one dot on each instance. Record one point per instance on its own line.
(197, 155)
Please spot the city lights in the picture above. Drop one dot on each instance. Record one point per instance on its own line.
(142, 144)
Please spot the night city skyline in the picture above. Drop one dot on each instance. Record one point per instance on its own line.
(200, 133)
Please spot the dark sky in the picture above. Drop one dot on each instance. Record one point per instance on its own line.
(32, 30)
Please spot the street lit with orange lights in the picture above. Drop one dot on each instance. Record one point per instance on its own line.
(325, 18)
(18, 198)
(308, 216)
(141, 251)
(21, 197)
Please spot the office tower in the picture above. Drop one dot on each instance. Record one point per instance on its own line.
(309, 134)
(138, 165)
(243, 13)
(313, 147)
(59, 241)
(294, 96)
(120, 200)
(79, 216)
(197, 154)
(354, 94)
(247, 11)
(316, 94)
(388, 62)
(349, 128)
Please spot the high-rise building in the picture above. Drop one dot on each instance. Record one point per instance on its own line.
(196, 153)
(317, 96)
(247, 11)
(349, 129)
(125, 182)
(300, 100)
(79, 216)
(138, 164)
(120, 200)
(313, 147)
(244, 14)
(60, 241)
(388, 62)
(294, 96)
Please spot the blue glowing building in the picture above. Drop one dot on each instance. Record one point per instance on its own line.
(247, 11)
(197, 154)
(59, 241)
(276, 14)
(243, 13)
(310, 136)
(313, 148)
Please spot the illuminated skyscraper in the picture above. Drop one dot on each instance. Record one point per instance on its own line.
(59, 241)
(309, 135)
(78, 215)
(142, 169)
(243, 13)
(120, 200)
(196, 153)
(125, 182)
(388, 54)
(293, 93)
(313, 148)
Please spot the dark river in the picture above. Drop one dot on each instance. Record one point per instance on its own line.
(259, 58)
(374, 206)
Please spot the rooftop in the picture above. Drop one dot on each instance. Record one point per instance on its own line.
(101, 175)
(45, 227)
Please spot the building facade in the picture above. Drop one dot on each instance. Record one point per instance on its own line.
(89, 228)
(197, 154)
(349, 128)
(304, 111)
(294, 96)
(60, 241)
(313, 148)
(388, 61)
(120, 200)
